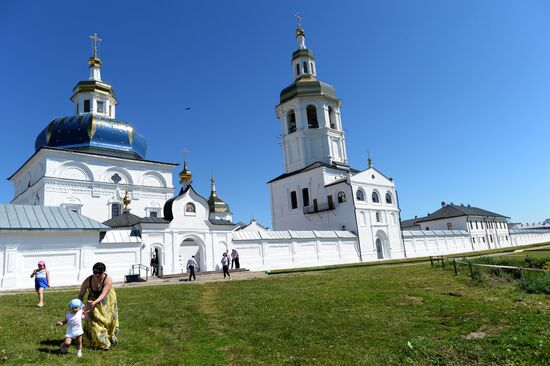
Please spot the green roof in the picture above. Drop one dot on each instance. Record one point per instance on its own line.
(305, 87)
(304, 52)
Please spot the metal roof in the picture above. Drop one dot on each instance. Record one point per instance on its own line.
(409, 233)
(451, 210)
(290, 234)
(119, 237)
(21, 217)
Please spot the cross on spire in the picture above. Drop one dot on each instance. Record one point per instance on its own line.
(185, 151)
(95, 40)
(369, 159)
(299, 19)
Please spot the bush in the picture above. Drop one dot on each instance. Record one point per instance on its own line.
(535, 282)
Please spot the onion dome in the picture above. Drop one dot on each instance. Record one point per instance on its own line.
(216, 204)
(185, 174)
(93, 133)
(126, 201)
(94, 127)
(305, 73)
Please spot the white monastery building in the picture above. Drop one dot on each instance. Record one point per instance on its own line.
(319, 190)
(89, 194)
(86, 162)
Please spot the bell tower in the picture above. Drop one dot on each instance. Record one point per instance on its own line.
(309, 112)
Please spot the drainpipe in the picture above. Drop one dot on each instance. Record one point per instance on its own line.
(496, 232)
(470, 228)
(400, 231)
(348, 182)
(486, 235)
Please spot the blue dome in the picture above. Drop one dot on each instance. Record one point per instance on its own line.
(93, 133)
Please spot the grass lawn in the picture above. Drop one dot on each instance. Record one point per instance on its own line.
(402, 315)
(539, 253)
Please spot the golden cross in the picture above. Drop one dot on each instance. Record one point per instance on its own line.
(95, 39)
(185, 151)
(299, 18)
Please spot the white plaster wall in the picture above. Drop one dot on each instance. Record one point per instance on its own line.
(69, 257)
(286, 218)
(369, 229)
(309, 145)
(269, 254)
(458, 223)
(529, 237)
(426, 243)
(84, 180)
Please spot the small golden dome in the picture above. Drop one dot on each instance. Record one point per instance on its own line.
(126, 200)
(185, 174)
(94, 61)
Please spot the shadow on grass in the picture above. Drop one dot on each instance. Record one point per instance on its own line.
(56, 351)
(52, 343)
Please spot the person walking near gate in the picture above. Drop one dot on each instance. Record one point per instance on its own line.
(154, 265)
(225, 265)
(235, 259)
(191, 266)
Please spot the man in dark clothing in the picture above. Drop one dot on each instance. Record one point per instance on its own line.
(191, 265)
(235, 259)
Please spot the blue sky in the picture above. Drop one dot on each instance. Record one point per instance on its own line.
(451, 97)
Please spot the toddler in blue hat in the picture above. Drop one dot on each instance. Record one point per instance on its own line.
(73, 319)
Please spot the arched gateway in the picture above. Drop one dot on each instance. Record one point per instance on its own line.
(189, 247)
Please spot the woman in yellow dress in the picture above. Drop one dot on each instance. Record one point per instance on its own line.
(101, 326)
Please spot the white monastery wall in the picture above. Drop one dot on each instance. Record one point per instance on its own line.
(293, 249)
(526, 237)
(422, 243)
(69, 257)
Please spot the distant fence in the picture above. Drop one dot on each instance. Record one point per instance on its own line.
(456, 264)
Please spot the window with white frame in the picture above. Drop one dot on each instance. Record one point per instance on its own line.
(375, 198)
(116, 209)
(360, 195)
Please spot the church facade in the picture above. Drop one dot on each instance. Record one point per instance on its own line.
(319, 190)
(88, 161)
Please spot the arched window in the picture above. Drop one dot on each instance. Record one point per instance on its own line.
(291, 122)
(305, 67)
(360, 195)
(379, 252)
(341, 197)
(375, 197)
(388, 198)
(331, 118)
(312, 68)
(312, 117)
(297, 69)
(190, 207)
